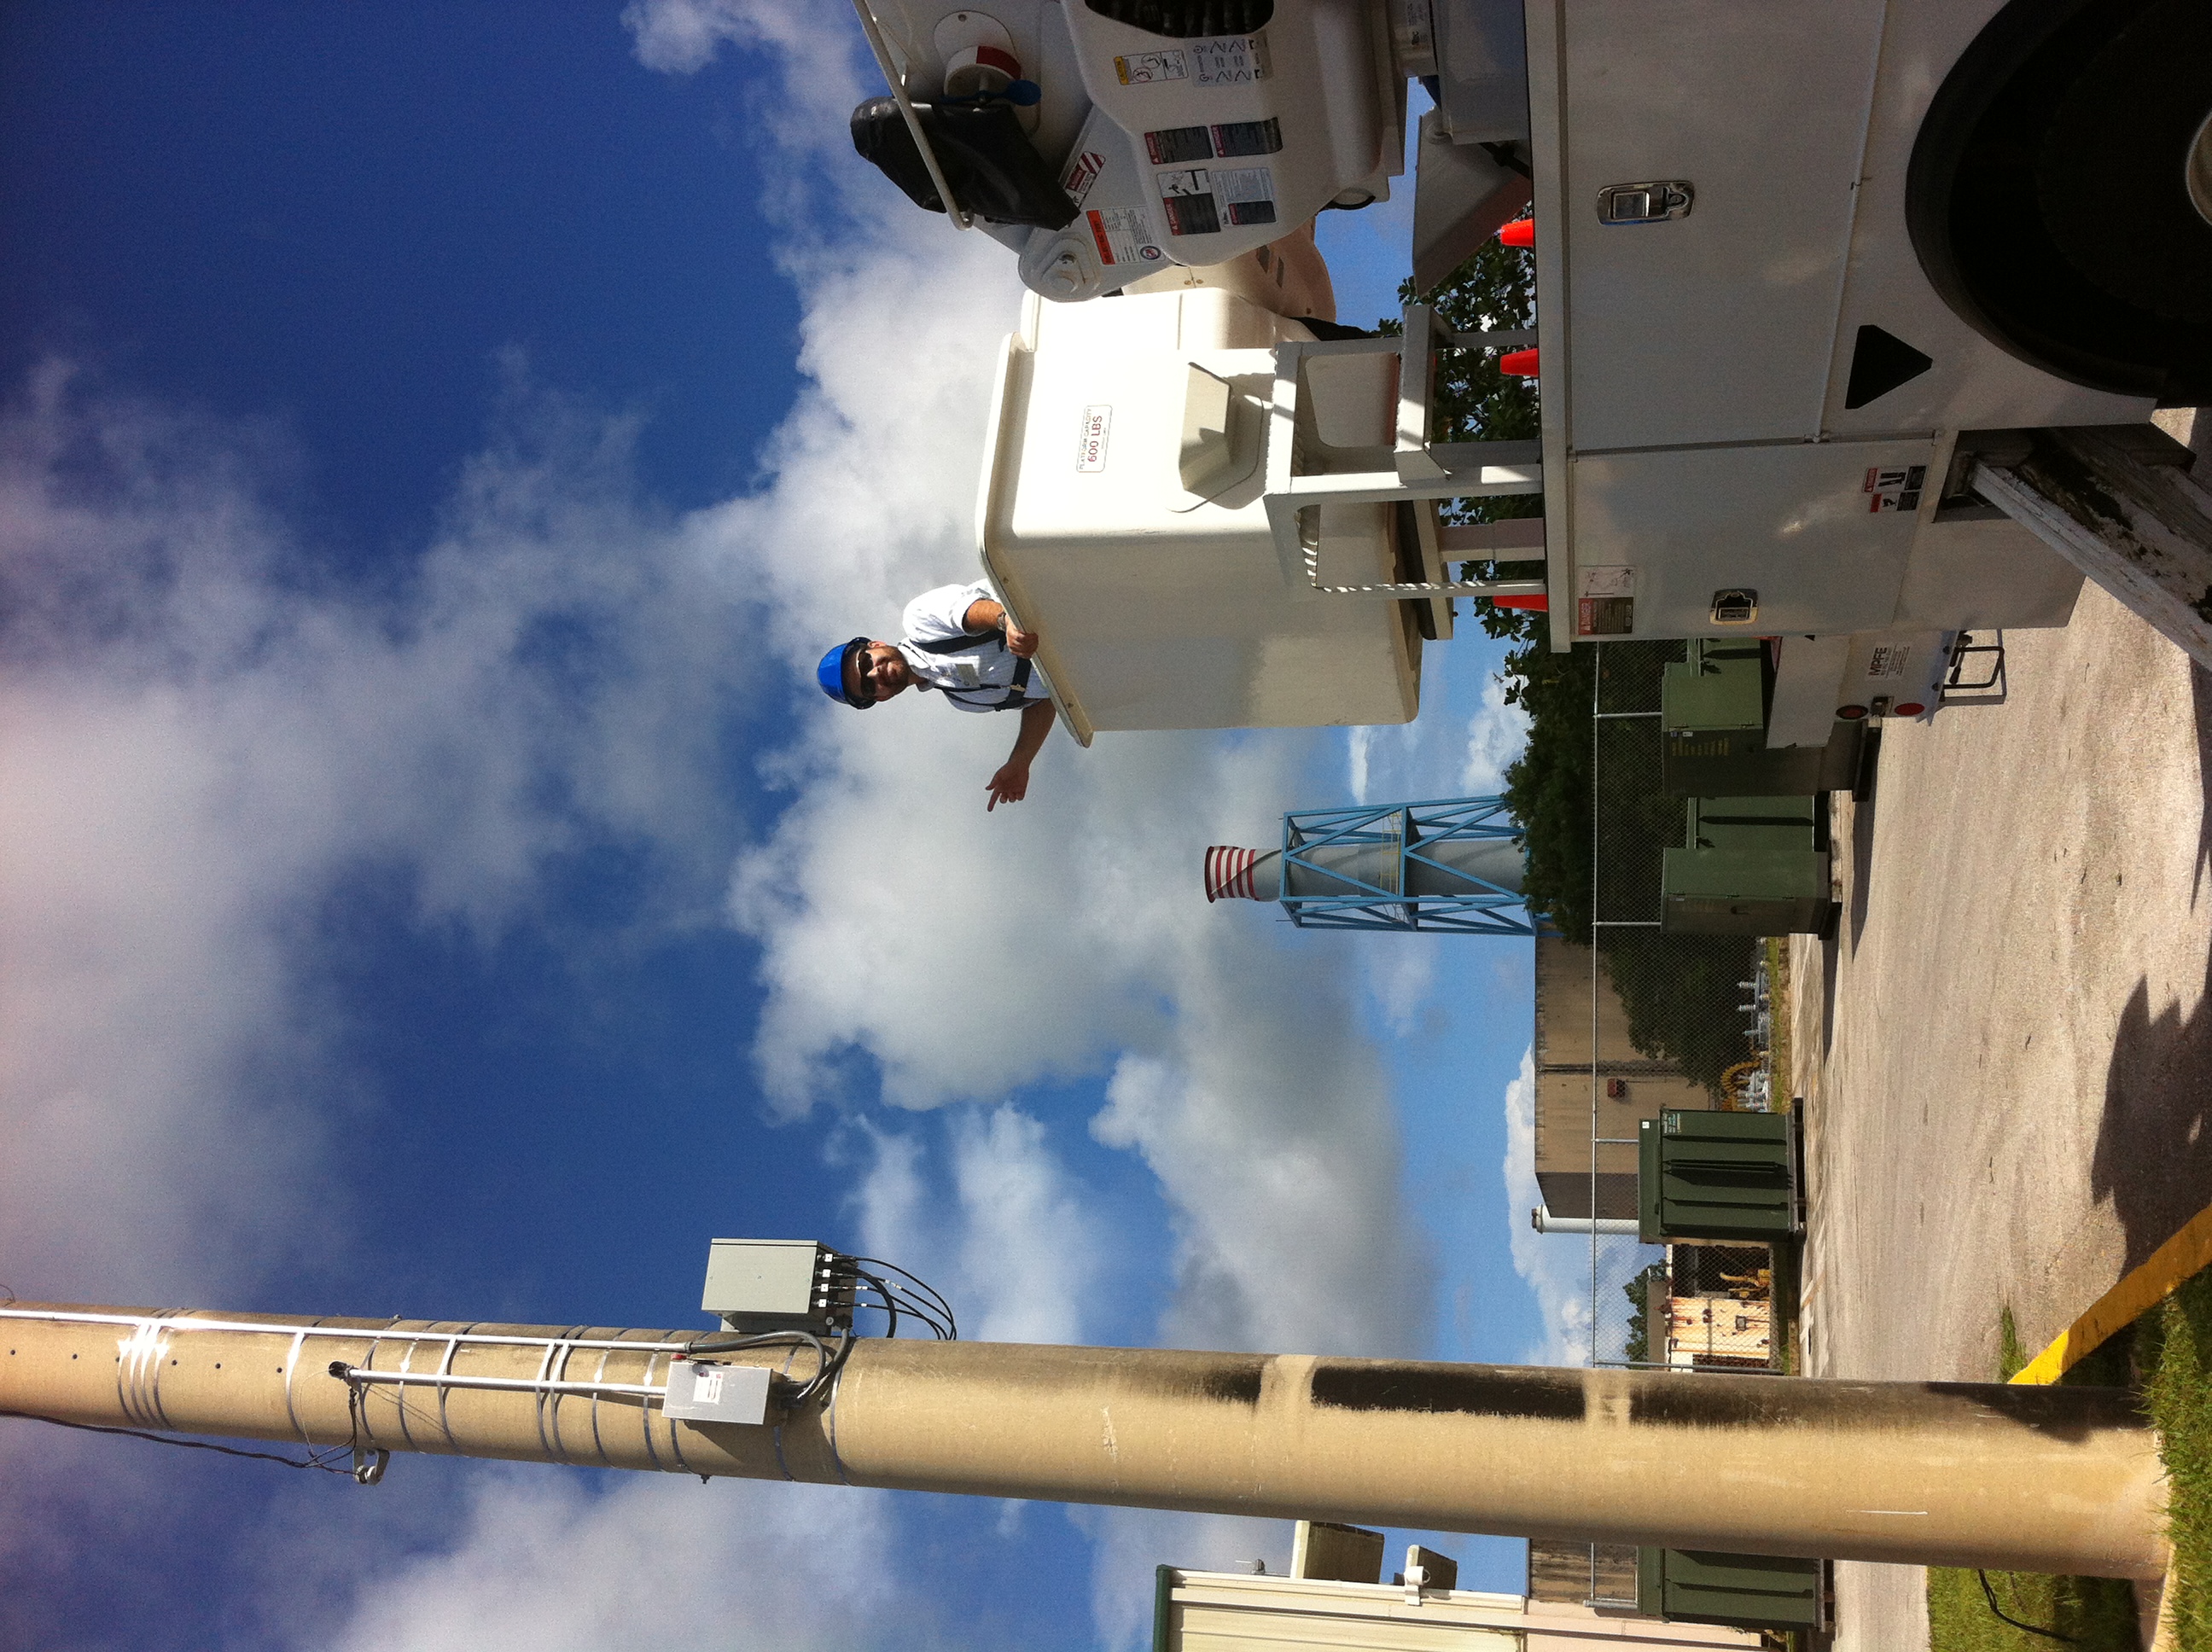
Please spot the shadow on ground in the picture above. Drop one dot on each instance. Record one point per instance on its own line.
(1862, 862)
(2153, 1157)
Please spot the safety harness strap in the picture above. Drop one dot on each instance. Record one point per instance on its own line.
(970, 642)
(1015, 697)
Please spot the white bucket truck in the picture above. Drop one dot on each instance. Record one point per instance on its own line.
(1801, 267)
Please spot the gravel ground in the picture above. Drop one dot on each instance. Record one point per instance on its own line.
(2006, 1051)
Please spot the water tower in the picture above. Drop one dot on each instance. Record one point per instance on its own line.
(1454, 865)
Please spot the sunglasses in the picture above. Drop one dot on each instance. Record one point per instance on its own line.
(864, 662)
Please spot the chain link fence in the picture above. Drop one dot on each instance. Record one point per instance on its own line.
(1676, 1020)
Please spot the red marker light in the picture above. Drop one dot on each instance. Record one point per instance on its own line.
(1518, 364)
(1850, 713)
(1910, 709)
(1538, 604)
(1522, 231)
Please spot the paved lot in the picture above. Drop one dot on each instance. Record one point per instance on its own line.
(2006, 1050)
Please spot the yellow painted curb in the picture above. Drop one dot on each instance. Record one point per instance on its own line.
(2189, 1252)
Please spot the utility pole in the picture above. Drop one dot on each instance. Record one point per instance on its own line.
(1963, 1475)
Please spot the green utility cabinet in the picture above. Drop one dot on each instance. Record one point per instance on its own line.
(1730, 1176)
(1713, 709)
(1741, 1591)
(1748, 866)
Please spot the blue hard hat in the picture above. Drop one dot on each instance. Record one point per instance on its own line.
(831, 673)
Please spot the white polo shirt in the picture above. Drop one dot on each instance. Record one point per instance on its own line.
(974, 670)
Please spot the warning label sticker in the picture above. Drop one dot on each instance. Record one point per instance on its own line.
(1188, 199)
(1249, 192)
(1230, 60)
(1889, 659)
(1123, 236)
(1097, 424)
(1151, 67)
(1248, 137)
(1176, 145)
(1084, 167)
(1896, 488)
(1605, 603)
(1198, 200)
(1605, 617)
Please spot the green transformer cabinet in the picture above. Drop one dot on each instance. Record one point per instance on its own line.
(1742, 1591)
(1748, 866)
(1713, 712)
(1727, 1176)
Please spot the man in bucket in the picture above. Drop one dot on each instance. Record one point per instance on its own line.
(960, 642)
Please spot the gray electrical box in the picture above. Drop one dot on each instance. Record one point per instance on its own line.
(776, 1285)
(700, 1392)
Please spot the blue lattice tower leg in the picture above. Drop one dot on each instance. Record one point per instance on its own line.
(1454, 865)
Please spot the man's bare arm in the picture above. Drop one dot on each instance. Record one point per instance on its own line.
(984, 615)
(1012, 783)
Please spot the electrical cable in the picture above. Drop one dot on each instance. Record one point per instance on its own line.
(317, 1460)
(897, 1303)
(829, 1373)
(943, 1307)
(710, 1343)
(1990, 1594)
(931, 1309)
(923, 1302)
(889, 1303)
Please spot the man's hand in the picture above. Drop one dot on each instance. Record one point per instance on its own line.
(985, 614)
(1010, 784)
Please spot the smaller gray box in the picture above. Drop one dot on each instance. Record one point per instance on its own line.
(699, 1392)
(768, 1285)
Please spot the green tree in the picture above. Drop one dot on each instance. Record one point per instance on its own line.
(1638, 1292)
(1494, 291)
(1577, 778)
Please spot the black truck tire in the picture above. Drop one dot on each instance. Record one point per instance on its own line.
(2048, 198)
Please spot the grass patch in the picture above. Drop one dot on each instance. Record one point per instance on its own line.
(2011, 1356)
(2175, 1342)
(2097, 1615)
(2167, 1355)
(1789, 1256)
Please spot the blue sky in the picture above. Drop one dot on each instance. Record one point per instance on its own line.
(435, 441)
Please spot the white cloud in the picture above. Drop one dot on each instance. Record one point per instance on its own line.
(682, 37)
(1495, 737)
(1557, 1266)
(1359, 754)
(197, 743)
(968, 954)
(1557, 1269)
(548, 1561)
(1013, 1248)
